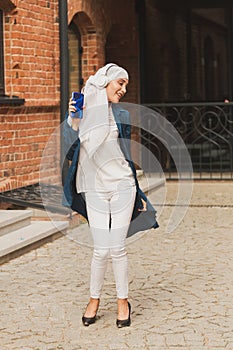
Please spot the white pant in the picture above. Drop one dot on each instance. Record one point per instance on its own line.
(109, 215)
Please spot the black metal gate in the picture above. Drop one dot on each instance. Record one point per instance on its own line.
(207, 131)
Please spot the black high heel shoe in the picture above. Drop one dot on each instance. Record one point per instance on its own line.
(124, 323)
(89, 320)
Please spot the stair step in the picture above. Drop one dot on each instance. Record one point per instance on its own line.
(149, 184)
(36, 231)
(19, 235)
(11, 220)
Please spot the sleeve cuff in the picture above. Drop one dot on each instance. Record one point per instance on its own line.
(69, 121)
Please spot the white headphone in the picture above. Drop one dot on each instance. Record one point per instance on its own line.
(102, 80)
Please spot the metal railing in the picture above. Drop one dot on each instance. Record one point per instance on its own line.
(207, 131)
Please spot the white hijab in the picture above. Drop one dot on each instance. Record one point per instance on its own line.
(94, 127)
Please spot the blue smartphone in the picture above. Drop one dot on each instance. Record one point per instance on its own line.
(78, 97)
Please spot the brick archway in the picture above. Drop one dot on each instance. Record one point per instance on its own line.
(92, 43)
(7, 5)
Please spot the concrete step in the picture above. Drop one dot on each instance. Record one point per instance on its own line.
(36, 231)
(18, 234)
(11, 220)
(149, 183)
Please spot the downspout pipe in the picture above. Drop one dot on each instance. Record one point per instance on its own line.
(64, 80)
(64, 58)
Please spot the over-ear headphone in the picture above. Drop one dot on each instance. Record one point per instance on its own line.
(102, 81)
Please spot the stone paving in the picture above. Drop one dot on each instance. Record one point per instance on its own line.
(181, 286)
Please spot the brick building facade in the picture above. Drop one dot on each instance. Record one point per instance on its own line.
(151, 42)
(30, 99)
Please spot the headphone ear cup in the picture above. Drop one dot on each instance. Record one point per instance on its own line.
(102, 81)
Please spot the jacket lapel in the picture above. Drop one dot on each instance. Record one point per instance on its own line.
(116, 112)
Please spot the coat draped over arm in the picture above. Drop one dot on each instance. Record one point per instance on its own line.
(140, 220)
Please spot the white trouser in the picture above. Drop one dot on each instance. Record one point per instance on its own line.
(109, 215)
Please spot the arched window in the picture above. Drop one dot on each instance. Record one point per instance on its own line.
(175, 82)
(75, 51)
(209, 69)
(5, 6)
(170, 72)
(194, 76)
(222, 93)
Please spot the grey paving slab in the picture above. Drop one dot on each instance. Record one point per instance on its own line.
(181, 286)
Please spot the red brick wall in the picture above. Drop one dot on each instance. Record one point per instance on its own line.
(24, 133)
(32, 73)
(32, 52)
(109, 32)
(31, 38)
(93, 21)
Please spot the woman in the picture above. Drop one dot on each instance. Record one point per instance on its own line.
(101, 183)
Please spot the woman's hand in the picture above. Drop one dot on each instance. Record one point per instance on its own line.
(144, 205)
(72, 107)
(75, 121)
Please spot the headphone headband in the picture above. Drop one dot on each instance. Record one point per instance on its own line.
(112, 65)
(102, 79)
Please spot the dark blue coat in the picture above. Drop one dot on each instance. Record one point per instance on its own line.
(140, 221)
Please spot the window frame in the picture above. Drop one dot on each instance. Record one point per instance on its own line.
(2, 75)
(5, 99)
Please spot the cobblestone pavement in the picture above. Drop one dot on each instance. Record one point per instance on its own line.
(181, 286)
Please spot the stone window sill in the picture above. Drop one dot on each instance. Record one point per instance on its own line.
(14, 100)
